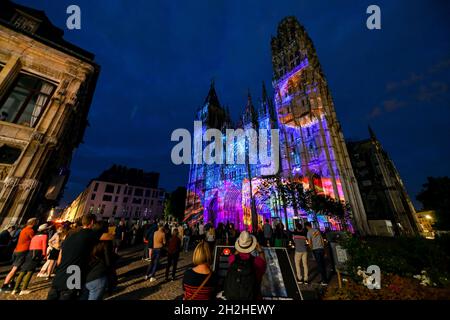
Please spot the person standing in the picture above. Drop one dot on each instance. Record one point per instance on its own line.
(119, 236)
(201, 231)
(246, 269)
(301, 253)
(36, 253)
(268, 232)
(54, 245)
(200, 282)
(20, 253)
(211, 238)
(317, 246)
(187, 238)
(159, 241)
(74, 256)
(173, 254)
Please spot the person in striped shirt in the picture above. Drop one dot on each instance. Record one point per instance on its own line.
(200, 282)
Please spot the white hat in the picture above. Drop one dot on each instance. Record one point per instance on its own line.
(42, 227)
(246, 242)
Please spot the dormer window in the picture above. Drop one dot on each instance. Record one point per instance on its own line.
(25, 22)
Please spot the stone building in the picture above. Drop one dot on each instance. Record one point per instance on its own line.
(389, 209)
(120, 193)
(312, 146)
(46, 89)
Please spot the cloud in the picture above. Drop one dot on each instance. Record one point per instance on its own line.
(409, 81)
(387, 106)
(432, 92)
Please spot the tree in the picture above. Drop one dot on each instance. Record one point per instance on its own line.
(175, 204)
(435, 195)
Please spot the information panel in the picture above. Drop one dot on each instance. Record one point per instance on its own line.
(279, 281)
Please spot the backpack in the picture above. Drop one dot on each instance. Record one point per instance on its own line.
(240, 282)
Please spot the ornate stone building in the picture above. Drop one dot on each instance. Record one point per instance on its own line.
(389, 209)
(312, 146)
(46, 88)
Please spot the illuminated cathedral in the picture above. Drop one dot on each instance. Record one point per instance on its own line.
(312, 146)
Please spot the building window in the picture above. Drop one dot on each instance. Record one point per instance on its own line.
(109, 188)
(96, 187)
(130, 191)
(137, 200)
(93, 196)
(107, 198)
(25, 22)
(102, 211)
(138, 192)
(147, 193)
(114, 211)
(26, 101)
(125, 200)
(116, 199)
(118, 189)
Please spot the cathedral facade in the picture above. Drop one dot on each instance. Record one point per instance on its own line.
(312, 147)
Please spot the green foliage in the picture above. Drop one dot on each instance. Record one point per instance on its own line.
(435, 195)
(175, 204)
(401, 256)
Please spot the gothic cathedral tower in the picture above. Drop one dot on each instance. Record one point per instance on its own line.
(311, 140)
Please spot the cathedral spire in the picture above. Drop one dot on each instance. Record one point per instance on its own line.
(372, 133)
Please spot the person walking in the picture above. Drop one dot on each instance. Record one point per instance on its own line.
(36, 253)
(317, 246)
(173, 253)
(148, 240)
(268, 232)
(200, 282)
(20, 253)
(201, 231)
(159, 241)
(301, 253)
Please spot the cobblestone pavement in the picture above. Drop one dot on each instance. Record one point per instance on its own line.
(132, 286)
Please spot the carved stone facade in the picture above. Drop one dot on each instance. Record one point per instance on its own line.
(46, 87)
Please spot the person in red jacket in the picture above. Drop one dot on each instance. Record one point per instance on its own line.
(173, 253)
(20, 253)
(36, 253)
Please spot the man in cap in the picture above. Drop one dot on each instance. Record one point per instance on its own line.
(21, 251)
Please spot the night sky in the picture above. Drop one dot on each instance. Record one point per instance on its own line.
(158, 58)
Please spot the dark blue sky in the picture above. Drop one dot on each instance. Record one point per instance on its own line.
(158, 58)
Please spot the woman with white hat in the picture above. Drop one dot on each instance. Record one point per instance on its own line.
(247, 268)
(36, 253)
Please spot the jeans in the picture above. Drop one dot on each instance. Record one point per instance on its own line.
(156, 254)
(97, 288)
(301, 257)
(172, 260)
(319, 255)
(186, 240)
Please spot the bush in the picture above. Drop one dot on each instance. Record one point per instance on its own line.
(401, 256)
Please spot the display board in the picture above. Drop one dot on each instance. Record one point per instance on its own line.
(279, 281)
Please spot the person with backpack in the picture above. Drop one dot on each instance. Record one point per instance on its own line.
(246, 270)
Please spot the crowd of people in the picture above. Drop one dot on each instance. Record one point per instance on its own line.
(80, 258)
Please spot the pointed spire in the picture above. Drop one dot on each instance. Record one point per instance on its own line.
(372, 133)
(212, 98)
